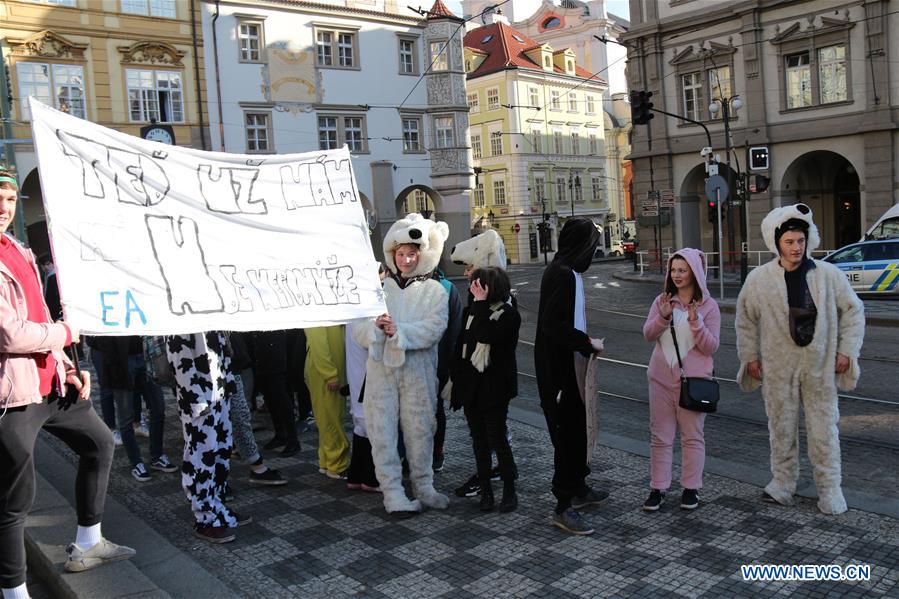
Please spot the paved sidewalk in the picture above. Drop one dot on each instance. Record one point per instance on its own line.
(313, 538)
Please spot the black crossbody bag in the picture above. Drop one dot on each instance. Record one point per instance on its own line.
(696, 394)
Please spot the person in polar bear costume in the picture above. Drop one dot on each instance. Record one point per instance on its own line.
(401, 388)
(799, 334)
(481, 251)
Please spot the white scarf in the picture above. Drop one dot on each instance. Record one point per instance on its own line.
(480, 357)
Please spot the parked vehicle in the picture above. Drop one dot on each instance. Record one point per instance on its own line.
(872, 267)
(886, 227)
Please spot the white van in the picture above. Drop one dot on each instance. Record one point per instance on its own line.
(886, 227)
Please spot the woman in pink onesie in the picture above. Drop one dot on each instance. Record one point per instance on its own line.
(687, 303)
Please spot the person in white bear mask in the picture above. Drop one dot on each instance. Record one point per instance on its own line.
(799, 334)
(401, 384)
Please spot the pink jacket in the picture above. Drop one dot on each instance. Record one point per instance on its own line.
(19, 338)
(705, 330)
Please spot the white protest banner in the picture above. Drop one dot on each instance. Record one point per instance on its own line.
(151, 239)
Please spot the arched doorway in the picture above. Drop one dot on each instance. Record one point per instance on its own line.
(31, 203)
(699, 216)
(829, 184)
(418, 198)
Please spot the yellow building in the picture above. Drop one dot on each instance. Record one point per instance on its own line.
(120, 63)
(537, 134)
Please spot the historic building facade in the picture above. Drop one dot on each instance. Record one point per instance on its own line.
(289, 76)
(537, 137)
(814, 82)
(120, 63)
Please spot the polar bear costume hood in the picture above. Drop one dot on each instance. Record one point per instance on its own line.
(425, 233)
(779, 216)
(486, 249)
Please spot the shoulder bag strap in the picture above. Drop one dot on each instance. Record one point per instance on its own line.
(676, 348)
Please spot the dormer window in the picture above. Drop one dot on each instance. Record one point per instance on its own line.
(552, 23)
(547, 62)
(570, 66)
(518, 39)
(487, 39)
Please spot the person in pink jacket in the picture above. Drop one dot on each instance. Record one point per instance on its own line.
(687, 303)
(39, 389)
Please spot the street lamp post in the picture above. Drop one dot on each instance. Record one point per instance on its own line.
(725, 105)
(574, 186)
(543, 230)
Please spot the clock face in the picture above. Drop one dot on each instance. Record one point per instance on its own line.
(160, 135)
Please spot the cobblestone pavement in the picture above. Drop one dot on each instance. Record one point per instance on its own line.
(313, 538)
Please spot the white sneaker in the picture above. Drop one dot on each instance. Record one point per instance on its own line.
(117, 438)
(101, 553)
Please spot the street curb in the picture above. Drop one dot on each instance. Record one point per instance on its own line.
(857, 500)
(158, 571)
(729, 306)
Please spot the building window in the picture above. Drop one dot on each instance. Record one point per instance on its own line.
(595, 183)
(336, 49)
(575, 142)
(555, 102)
(492, 98)
(560, 188)
(249, 36)
(154, 95)
(832, 73)
(474, 105)
(539, 189)
(439, 58)
(476, 146)
(799, 80)
(534, 97)
(154, 8)
(259, 132)
(591, 104)
(57, 85)
(558, 146)
(420, 198)
(335, 130)
(594, 144)
(572, 102)
(692, 90)
(577, 190)
(537, 141)
(496, 143)
(443, 131)
(499, 193)
(412, 134)
(70, 3)
(408, 57)
(479, 196)
(719, 84)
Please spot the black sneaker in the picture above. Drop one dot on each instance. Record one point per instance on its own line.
(655, 501)
(590, 498)
(439, 462)
(689, 499)
(270, 477)
(572, 521)
(470, 488)
(495, 474)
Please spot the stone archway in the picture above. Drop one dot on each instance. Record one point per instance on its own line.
(419, 198)
(698, 214)
(829, 184)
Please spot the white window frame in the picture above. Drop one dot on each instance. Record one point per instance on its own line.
(594, 143)
(561, 185)
(258, 135)
(167, 9)
(493, 98)
(444, 136)
(334, 49)
(800, 77)
(340, 129)
(572, 101)
(496, 143)
(596, 184)
(539, 188)
(245, 52)
(164, 95)
(408, 59)
(50, 93)
(412, 139)
(499, 192)
(534, 96)
(476, 149)
(591, 104)
(478, 197)
(537, 141)
(692, 94)
(474, 103)
(575, 142)
(830, 67)
(558, 142)
(555, 101)
(439, 54)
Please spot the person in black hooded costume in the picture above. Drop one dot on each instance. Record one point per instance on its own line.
(561, 349)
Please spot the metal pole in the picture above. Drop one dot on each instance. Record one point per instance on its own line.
(725, 109)
(720, 246)
(744, 222)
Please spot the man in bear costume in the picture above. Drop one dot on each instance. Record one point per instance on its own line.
(799, 334)
(401, 384)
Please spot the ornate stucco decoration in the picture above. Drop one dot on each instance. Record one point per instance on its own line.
(152, 53)
(47, 44)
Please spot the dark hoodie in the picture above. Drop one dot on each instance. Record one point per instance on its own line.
(557, 338)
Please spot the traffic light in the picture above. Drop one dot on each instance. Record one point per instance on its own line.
(758, 158)
(641, 107)
(760, 183)
(713, 211)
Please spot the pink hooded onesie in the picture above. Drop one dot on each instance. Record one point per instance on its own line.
(697, 340)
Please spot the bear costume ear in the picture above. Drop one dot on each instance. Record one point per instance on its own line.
(441, 230)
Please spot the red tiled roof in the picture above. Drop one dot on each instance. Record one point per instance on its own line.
(505, 51)
(440, 10)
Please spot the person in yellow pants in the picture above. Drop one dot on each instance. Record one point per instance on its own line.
(325, 373)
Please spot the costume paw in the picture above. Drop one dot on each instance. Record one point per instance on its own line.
(779, 494)
(396, 501)
(432, 499)
(831, 501)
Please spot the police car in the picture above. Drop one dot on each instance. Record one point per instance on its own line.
(871, 266)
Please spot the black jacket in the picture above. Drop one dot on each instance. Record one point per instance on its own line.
(269, 351)
(115, 352)
(498, 384)
(556, 338)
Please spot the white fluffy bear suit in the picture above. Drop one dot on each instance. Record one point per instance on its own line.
(401, 387)
(486, 249)
(792, 374)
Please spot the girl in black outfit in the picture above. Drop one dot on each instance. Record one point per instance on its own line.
(485, 378)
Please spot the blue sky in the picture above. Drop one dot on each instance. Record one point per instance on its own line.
(618, 7)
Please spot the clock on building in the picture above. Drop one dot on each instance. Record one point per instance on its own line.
(161, 133)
